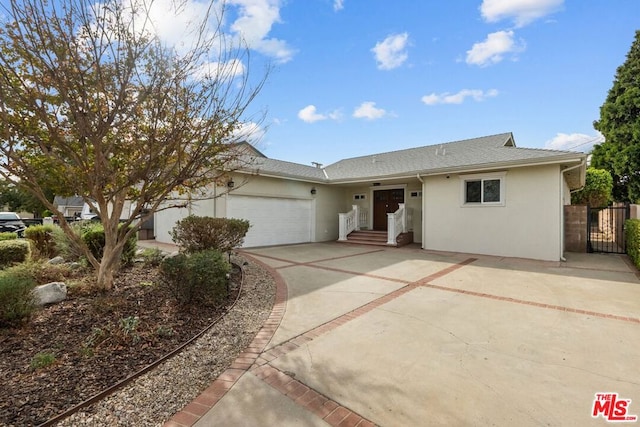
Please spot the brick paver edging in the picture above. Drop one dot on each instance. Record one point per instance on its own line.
(331, 412)
(191, 413)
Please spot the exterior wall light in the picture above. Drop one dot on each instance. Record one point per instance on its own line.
(313, 190)
(230, 184)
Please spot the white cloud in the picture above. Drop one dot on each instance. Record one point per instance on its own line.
(309, 114)
(256, 17)
(493, 49)
(391, 52)
(250, 132)
(367, 110)
(177, 26)
(180, 24)
(338, 5)
(225, 71)
(458, 98)
(522, 12)
(574, 141)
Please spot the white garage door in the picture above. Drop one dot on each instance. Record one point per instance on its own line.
(274, 221)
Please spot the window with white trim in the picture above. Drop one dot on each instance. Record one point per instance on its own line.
(485, 189)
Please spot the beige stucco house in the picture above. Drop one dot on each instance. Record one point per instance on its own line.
(482, 195)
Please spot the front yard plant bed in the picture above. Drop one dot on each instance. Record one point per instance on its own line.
(71, 351)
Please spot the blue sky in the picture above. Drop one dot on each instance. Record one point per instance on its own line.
(356, 77)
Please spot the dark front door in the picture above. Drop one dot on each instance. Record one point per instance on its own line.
(384, 202)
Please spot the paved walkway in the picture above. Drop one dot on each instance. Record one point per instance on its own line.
(362, 336)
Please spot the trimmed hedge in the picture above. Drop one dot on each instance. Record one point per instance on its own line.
(196, 278)
(8, 235)
(14, 251)
(199, 233)
(632, 230)
(42, 238)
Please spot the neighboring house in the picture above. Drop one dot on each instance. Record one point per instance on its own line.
(482, 195)
(76, 207)
(69, 206)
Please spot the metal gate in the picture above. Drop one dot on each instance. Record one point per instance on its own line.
(605, 229)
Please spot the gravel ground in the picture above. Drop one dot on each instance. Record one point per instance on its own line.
(154, 397)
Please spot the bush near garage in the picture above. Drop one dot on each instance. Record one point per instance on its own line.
(198, 233)
(14, 251)
(632, 230)
(42, 238)
(196, 278)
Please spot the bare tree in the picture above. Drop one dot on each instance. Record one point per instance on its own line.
(94, 103)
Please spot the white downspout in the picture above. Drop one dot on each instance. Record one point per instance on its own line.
(422, 216)
(562, 180)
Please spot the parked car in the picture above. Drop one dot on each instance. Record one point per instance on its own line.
(12, 223)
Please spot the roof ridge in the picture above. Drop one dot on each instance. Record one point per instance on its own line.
(287, 161)
(553, 150)
(423, 147)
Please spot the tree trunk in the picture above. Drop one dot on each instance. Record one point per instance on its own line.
(110, 262)
(105, 276)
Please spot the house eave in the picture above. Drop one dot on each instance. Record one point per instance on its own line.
(258, 172)
(503, 165)
(568, 159)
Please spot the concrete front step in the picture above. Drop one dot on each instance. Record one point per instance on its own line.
(368, 237)
(376, 238)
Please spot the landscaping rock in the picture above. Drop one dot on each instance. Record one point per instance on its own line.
(56, 260)
(50, 293)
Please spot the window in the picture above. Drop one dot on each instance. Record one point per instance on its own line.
(483, 189)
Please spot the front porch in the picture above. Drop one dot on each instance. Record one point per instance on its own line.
(353, 228)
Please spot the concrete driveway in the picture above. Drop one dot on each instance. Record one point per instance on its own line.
(402, 337)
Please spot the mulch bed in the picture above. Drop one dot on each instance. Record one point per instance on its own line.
(96, 341)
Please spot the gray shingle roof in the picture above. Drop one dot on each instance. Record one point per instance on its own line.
(266, 166)
(68, 201)
(495, 150)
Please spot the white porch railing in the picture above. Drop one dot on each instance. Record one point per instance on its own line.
(396, 224)
(348, 222)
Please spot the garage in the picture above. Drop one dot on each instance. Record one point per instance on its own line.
(274, 221)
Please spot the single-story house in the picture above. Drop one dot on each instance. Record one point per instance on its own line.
(69, 206)
(481, 195)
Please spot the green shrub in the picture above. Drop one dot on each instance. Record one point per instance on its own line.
(43, 272)
(14, 251)
(63, 243)
(152, 256)
(92, 233)
(93, 237)
(632, 230)
(198, 233)
(8, 235)
(16, 300)
(199, 277)
(42, 238)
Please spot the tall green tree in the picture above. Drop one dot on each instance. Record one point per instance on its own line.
(93, 102)
(620, 124)
(597, 189)
(16, 199)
